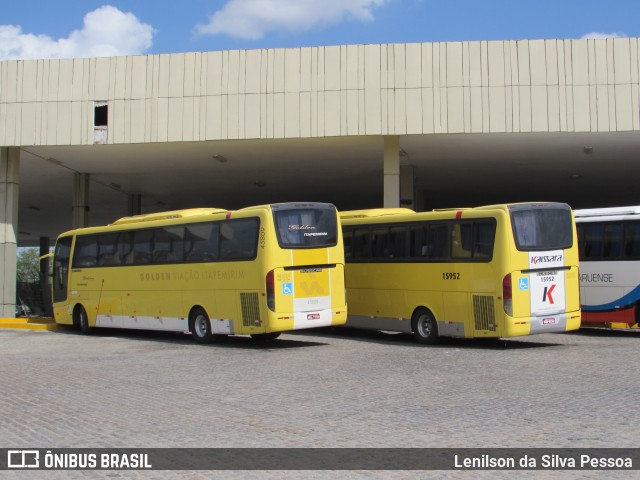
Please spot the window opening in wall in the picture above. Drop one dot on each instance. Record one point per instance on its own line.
(100, 115)
(100, 121)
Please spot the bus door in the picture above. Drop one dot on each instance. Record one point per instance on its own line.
(60, 283)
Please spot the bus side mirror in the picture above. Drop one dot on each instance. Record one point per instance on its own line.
(47, 257)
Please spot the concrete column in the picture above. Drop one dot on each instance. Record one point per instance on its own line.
(407, 197)
(135, 204)
(81, 200)
(9, 183)
(45, 284)
(419, 205)
(391, 172)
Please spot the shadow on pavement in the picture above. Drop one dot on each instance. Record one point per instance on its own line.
(231, 341)
(606, 332)
(406, 339)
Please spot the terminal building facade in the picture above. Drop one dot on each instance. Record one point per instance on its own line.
(84, 141)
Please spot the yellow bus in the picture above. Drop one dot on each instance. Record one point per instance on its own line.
(211, 272)
(486, 272)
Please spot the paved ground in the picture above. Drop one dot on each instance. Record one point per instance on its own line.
(317, 389)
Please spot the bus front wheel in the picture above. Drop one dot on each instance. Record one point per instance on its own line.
(201, 326)
(83, 321)
(424, 326)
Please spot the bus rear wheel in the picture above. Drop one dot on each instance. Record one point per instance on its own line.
(201, 326)
(424, 326)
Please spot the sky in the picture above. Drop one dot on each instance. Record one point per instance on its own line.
(70, 28)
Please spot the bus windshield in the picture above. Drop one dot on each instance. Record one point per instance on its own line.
(305, 226)
(542, 227)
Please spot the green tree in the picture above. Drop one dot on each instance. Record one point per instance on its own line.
(28, 268)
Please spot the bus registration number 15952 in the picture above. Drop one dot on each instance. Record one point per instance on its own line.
(451, 275)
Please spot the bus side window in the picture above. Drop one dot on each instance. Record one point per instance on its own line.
(347, 239)
(398, 238)
(85, 253)
(632, 240)
(612, 245)
(484, 233)
(141, 253)
(125, 247)
(593, 235)
(202, 242)
(461, 236)
(580, 235)
(418, 242)
(437, 241)
(239, 239)
(361, 243)
(380, 241)
(108, 249)
(168, 245)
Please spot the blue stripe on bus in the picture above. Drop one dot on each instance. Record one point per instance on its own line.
(623, 302)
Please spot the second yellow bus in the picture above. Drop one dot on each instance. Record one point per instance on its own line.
(486, 272)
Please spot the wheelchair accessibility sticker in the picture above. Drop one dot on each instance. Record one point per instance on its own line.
(287, 288)
(523, 283)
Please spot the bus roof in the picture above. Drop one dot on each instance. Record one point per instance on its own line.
(136, 221)
(375, 212)
(603, 214)
(152, 217)
(380, 212)
(288, 205)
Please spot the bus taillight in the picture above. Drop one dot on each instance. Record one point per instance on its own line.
(271, 292)
(506, 295)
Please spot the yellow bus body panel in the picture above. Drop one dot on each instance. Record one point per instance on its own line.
(464, 297)
(232, 293)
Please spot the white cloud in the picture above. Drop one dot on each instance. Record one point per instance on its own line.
(597, 35)
(253, 19)
(106, 31)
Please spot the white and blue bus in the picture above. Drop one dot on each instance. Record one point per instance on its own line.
(609, 242)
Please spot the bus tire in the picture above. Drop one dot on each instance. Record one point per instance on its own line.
(265, 337)
(424, 327)
(200, 326)
(83, 321)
